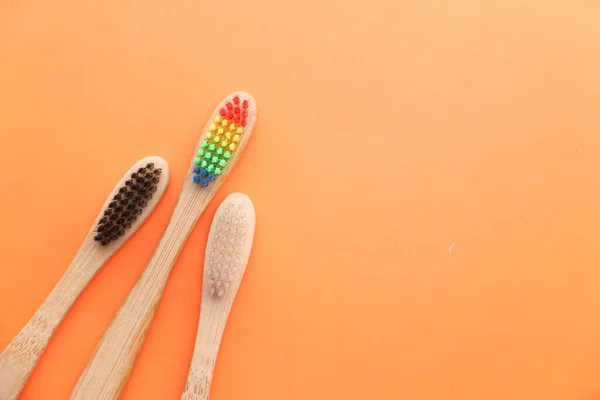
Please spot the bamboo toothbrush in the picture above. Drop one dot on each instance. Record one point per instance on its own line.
(225, 136)
(227, 252)
(128, 205)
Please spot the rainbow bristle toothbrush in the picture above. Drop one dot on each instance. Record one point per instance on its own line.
(129, 204)
(221, 140)
(112, 362)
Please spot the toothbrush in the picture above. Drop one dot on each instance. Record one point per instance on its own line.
(127, 207)
(227, 253)
(225, 136)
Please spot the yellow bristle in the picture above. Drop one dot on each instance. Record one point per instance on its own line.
(232, 147)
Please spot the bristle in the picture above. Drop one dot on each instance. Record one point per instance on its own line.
(126, 206)
(228, 240)
(221, 140)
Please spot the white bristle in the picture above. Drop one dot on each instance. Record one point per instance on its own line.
(228, 242)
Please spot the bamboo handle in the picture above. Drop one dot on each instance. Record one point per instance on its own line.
(199, 378)
(20, 357)
(109, 369)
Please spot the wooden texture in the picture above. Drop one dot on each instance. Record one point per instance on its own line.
(20, 357)
(113, 359)
(215, 309)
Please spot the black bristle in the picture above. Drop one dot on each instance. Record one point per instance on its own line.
(126, 206)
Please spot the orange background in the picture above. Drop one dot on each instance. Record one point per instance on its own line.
(425, 175)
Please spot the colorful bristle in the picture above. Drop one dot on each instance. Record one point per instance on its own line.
(221, 141)
(126, 206)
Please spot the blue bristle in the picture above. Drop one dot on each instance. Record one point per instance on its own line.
(204, 182)
(197, 170)
(211, 177)
(203, 173)
(196, 178)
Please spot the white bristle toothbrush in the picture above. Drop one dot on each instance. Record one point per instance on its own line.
(227, 252)
(127, 207)
(225, 136)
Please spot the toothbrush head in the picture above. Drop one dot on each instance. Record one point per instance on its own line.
(128, 203)
(229, 245)
(224, 137)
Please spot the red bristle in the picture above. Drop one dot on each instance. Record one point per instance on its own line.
(245, 113)
(244, 122)
(223, 112)
(236, 110)
(236, 100)
(229, 105)
(245, 104)
(236, 119)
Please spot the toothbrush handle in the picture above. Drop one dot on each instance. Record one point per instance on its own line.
(108, 371)
(199, 378)
(213, 318)
(20, 357)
